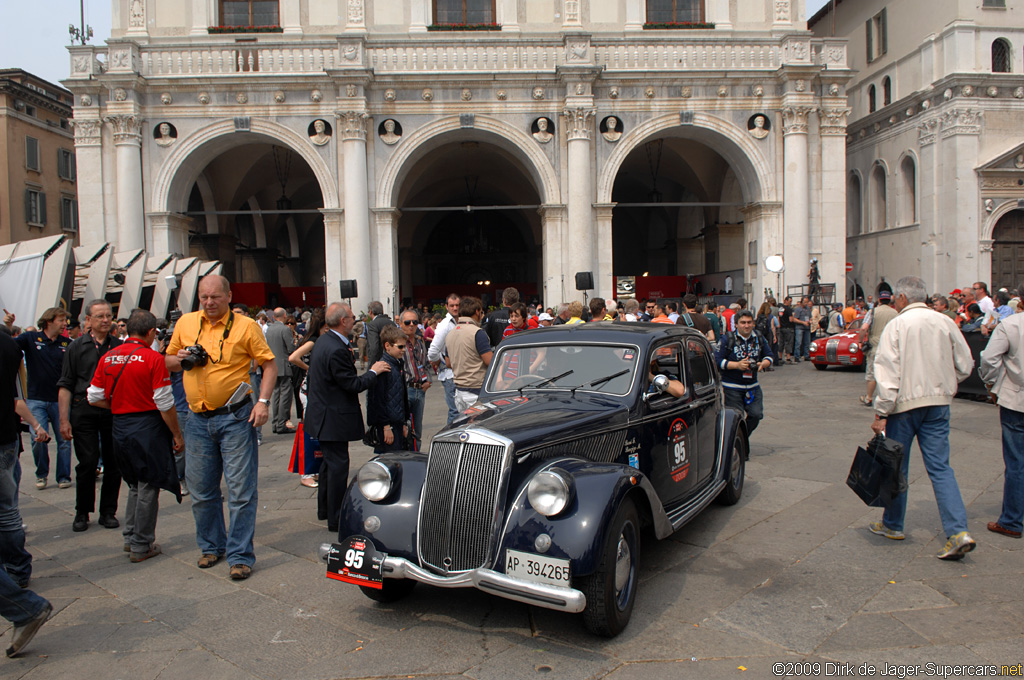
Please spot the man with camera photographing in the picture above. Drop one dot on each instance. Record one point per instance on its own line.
(215, 347)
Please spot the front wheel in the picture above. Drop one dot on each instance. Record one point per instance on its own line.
(394, 589)
(730, 495)
(821, 367)
(611, 590)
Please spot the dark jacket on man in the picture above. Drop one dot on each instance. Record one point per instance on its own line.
(386, 402)
(496, 323)
(332, 407)
(374, 347)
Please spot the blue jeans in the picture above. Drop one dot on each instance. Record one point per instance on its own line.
(179, 456)
(47, 413)
(18, 605)
(223, 445)
(16, 560)
(1013, 456)
(802, 343)
(417, 399)
(930, 424)
(449, 398)
(754, 410)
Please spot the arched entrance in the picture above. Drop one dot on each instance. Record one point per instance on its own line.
(1008, 251)
(469, 222)
(252, 199)
(681, 196)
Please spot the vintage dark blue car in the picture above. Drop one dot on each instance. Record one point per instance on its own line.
(583, 437)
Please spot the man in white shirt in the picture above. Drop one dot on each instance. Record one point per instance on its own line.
(981, 296)
(437, 356)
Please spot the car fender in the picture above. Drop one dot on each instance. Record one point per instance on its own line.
(732, 424)
(578, 532)
(397, 513)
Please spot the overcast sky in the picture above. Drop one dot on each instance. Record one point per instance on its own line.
(34, 36)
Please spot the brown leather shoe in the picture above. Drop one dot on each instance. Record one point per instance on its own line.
(240, 572)
(153, 551)
(996, 527)
(207, 560)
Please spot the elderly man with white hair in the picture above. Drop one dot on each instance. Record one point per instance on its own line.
(921, 358)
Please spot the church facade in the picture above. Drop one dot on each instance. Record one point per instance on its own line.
(429, 145)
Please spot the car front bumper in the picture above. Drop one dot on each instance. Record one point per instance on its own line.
(487, 580)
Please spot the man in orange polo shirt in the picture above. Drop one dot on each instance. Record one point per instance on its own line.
(214, 347)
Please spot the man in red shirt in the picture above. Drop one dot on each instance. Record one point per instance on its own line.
(132, 381)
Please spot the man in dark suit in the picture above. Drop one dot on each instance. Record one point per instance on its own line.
(374, 347)
(332, 413)
(282, 344)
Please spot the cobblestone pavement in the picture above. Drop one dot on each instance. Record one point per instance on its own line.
(788, 575)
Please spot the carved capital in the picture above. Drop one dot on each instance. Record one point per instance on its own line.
(833, 121)
(985, 245)
(578, 122)
(87, 132)
(927, 130)
(961, 122)
(794, 120)
(353, 124)
(127, 129)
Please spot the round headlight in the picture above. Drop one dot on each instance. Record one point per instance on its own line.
(550, 491)
(853, 348)
(813, 347)
(374, 480)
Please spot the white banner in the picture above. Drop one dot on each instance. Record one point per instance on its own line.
(19, 287)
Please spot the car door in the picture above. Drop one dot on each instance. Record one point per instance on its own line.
(670, 427)
(705, 395)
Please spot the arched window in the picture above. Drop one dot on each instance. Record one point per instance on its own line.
(886, 91)
(249, 13)
(871, 99)
(666, 11)
(464, 12)
(1001, 56)
(878, 200)
(853, 205)
(908, 191)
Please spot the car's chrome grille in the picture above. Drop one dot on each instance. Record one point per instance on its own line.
(601, 448)
(459, 504)
(832, 349)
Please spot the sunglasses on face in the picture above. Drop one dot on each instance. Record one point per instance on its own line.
(409, 322)
(399, 346)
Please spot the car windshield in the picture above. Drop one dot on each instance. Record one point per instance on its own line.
(610, 368)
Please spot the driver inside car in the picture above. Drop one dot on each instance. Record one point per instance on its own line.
(675, 387)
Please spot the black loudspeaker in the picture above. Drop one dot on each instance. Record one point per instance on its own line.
(584, 280)
(348, 288)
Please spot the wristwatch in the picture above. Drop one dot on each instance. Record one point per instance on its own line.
(264, 401)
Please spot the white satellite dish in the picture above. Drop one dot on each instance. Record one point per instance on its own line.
(773, 263)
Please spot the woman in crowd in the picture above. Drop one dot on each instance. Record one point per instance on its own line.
(315, 327)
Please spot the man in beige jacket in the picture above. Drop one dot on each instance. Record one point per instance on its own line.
(921, 358)
(1002, 368)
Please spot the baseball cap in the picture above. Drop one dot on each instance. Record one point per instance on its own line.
(544, 316)
(956, 291)
(885, 295)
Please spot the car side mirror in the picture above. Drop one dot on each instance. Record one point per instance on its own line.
(659, 384)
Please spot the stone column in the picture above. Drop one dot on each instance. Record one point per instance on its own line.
(334, 248)
(89, 159)
(604, 281)
(832, 130)
(571, 14)
(929, 185)
(717, 12)
(201, 19)
(508, 16)
(552, 231)
(137, 27)
(959, 223)
(289, 17)
(357, 215)
(796, 184)
(634, 15)
(579, 243)
(356, 17)
(170, 234)
(131, 232)
(419, 16)
(761, 224)
(387, 258)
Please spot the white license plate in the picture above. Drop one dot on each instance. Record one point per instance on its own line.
(537, 568)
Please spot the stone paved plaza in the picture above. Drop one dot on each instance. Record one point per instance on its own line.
(788, 575)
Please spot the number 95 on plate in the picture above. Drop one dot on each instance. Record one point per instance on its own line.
(357, 561)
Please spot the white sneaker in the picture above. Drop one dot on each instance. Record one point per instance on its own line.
(40, 483)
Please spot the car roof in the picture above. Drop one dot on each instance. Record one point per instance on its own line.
(639, 333)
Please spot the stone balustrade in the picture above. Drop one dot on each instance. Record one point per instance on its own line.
(487, 54)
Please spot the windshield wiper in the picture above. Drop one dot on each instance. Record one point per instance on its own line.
(600, 381)
(544, 381)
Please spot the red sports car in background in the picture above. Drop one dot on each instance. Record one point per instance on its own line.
(843, 349)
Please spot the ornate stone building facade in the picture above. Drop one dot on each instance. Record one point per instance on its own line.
(935, 153)
(382, 141)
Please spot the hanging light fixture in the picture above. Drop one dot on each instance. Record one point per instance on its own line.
(282, 168)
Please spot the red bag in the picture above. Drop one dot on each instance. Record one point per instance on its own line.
(306, 454)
